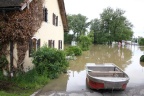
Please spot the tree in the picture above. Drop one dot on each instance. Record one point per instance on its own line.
(115, 26)
(68, 38)
(112, 26)
(78, 24)
(96, 31)
(84, 42)
(141, 41)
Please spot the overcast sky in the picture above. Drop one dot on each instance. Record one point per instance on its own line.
(134, 10)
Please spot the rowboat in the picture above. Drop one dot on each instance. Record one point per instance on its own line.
(105, 76)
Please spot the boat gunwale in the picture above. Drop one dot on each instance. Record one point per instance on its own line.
(105, 65)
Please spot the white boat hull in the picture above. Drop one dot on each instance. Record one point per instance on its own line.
(106, 76)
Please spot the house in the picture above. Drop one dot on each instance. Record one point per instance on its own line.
(26, 25)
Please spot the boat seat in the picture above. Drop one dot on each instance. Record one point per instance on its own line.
(106, 72)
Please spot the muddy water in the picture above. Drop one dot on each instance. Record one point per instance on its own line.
(127, 58)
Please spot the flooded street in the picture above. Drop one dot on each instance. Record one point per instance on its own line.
(127, 58)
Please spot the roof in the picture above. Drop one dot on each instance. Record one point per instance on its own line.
(13, 4)
(21, 4)
(10, 3)
(63, 14)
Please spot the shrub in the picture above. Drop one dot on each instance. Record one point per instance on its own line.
(142, 58)
(73, 50)
(141, 41)
(84, 42)
(50, 61)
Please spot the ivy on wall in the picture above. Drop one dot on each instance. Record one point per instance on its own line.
(19, 27)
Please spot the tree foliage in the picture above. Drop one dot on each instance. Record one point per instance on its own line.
(68, 38)
(84, 42)
(78, 24)
(141, 41)
(112, 26)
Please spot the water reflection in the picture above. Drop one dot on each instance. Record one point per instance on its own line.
(76, 79)
(126, 58)
(103, 54)
(142, 64)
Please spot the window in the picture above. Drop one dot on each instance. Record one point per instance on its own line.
(34, 44)
(51, 43)
(55, 20)
(60, 44)
(45, 14)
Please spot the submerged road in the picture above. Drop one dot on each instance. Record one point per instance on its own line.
(73, 84)
(130, 91)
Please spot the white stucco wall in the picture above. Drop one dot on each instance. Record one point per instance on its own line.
(48, 31)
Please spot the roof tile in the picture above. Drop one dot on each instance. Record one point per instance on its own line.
(11, 3)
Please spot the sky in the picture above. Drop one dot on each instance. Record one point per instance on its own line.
(134, 10)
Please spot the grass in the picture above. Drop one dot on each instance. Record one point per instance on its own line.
(25, 84)
(3, 93)
(11, 89)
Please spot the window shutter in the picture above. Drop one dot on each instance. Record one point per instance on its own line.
(60, 44)
(38, 43)
(56, 20)
(53, 19)
(46, 13)
(53, 43)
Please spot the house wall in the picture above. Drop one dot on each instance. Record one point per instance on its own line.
(48, 31)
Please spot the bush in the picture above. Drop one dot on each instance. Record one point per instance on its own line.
(84, 42)
(50, 61)
(141, 41)
(73, 50)
(142, 58)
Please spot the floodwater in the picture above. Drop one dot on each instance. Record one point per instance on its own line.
(127, 58)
